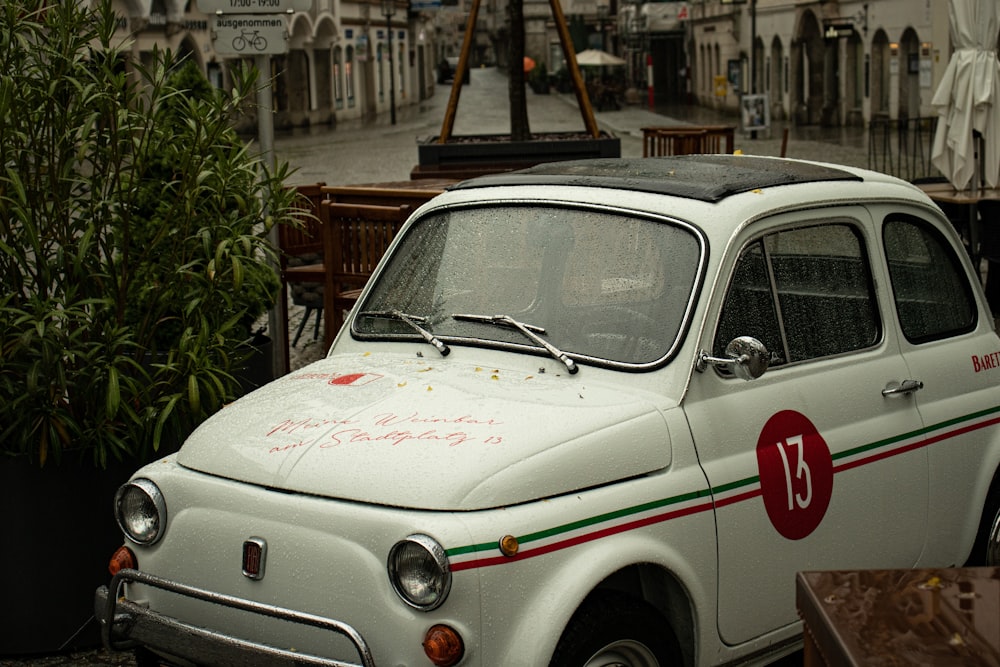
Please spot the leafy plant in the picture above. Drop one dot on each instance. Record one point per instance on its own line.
(134, 246)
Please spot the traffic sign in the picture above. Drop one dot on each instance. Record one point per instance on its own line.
(250, 34)
(254, 6)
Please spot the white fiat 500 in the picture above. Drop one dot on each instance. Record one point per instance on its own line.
(590, 413)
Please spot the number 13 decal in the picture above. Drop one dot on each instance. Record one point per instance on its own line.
(801, 471)
(796, 474)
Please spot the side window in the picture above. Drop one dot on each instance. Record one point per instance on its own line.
(932, 294)
(749, 309)
(805, 293)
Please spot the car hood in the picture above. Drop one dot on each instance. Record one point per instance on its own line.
(417, 433)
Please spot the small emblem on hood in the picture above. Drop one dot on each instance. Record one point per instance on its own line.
(355, 379)
(254, 555)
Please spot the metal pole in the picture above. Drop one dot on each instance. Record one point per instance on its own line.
(392, 73)
(753, 47)
(277, 317)
(649, 79)
(753, 54)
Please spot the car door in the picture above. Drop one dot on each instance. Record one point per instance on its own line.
(808, 463)
(951, 348)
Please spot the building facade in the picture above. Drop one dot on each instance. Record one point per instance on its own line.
(336, 66)
(819, 62)
(816, 62)
(809, 62)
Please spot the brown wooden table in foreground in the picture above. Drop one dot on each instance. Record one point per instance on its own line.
(948, 616)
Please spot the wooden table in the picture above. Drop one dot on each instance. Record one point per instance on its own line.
(394, 193)
(947, 616)
(945, 193)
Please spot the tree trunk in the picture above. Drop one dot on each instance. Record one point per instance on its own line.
(519, 128)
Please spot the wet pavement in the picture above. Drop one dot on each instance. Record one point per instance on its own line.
(376, 151)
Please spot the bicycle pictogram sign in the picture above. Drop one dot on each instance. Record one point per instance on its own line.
(251, 38)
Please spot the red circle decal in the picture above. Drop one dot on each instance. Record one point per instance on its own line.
(796, 473)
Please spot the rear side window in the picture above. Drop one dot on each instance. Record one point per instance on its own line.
(805, 293)
(933, 297)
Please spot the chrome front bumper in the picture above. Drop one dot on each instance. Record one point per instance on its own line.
(125, 624)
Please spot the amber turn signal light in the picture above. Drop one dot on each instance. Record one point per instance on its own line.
(121, 559)
(443, 645)
(509, 546)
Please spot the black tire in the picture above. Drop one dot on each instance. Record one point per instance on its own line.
(146, 658)
(986, 548)
(614, 629)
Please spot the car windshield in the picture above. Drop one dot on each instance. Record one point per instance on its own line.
(595, 285)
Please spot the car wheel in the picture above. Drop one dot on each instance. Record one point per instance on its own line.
(616, 630)
(986, 549)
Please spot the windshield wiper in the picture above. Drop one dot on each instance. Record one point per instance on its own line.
(529, 330)
(414, 322)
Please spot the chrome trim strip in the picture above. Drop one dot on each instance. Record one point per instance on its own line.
(548, 202)
(122, 620)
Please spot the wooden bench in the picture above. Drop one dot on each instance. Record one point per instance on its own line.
(355, 237)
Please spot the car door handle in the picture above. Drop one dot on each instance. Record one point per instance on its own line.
(904, 387)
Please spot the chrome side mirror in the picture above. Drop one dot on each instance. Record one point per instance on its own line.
(746, 357)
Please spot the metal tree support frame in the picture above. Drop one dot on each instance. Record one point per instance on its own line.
(902, 147)
(586, 110)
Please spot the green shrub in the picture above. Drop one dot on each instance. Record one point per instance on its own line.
(134, 246)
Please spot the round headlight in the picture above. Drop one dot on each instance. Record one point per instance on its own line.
(419, 572)
(141, 511)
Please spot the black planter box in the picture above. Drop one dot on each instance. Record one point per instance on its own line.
(474, 155)
(59, 532)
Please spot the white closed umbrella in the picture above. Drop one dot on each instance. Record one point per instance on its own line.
(598, 57)
(968, 97)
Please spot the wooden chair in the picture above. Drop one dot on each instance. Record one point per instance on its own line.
(719, 139)
(355, 237)
(672, 141)
(302, 255)
(687, 140)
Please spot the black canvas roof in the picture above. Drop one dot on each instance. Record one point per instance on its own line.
(707, 178)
